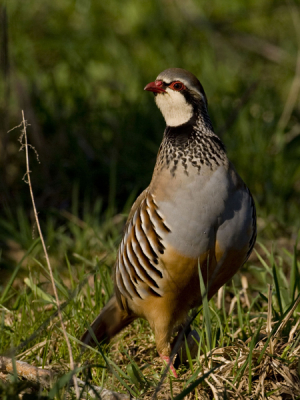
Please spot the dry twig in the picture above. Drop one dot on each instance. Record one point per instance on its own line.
(33, 374)
(45, 378)
(24, 134)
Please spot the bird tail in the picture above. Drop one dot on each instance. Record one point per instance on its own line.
(111, 320)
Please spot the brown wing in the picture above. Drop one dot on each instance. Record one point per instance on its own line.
(137, 270)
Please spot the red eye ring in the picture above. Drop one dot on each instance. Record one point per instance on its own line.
(177, 85)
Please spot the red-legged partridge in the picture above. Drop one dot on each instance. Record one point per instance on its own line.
(196, 210)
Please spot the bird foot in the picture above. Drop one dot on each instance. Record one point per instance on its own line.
(167, 360)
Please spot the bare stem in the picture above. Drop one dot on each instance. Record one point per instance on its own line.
(269, 318)
(72, 365)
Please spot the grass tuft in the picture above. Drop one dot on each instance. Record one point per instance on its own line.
(245, 342)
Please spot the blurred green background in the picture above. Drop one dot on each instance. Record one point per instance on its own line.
(78, 68)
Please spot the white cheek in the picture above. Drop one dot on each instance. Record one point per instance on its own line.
(174, 107)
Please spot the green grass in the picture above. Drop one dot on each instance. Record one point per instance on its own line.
(233, 347)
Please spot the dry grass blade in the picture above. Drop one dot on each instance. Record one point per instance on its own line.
(260, 389)
(293, 330)
(32, 350)
(269, 317)
(245, 286)
(24, 135)
(213, 389)
(287, 317)
(220, 296)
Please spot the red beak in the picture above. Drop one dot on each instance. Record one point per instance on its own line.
(156, 87)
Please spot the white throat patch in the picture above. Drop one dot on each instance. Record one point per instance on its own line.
(174, 107)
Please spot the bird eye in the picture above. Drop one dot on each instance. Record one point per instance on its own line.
(177, 86)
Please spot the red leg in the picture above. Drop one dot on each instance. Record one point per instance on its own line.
(166, 359)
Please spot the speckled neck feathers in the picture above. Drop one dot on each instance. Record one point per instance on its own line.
(191, 144)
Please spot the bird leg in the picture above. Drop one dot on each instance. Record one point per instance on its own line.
(167, 360)
(163, 333)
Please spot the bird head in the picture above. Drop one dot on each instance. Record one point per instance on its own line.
(179, 96)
